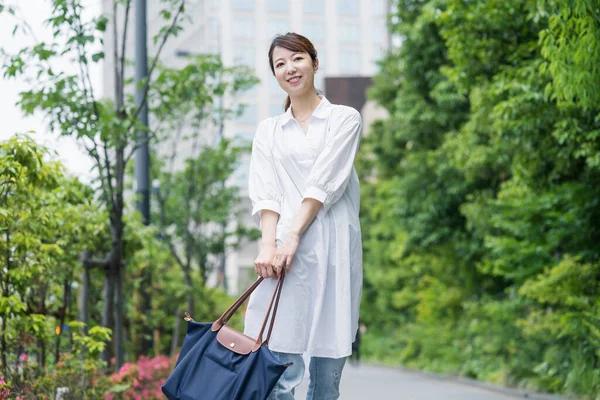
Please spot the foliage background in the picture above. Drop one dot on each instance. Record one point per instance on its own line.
(480, 195)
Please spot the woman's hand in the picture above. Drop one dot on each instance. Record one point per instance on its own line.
(285, 254)
(263, 265)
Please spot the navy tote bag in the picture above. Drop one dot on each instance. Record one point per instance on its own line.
(217, 362)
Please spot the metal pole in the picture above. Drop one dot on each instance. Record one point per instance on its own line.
(142, 155)
(222, 265)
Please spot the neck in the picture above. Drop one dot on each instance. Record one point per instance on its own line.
(305, 104)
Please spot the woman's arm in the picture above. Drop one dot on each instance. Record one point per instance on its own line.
(327, 181)
(266, 197)
(303, 218)
(263, 265)
(305, 215)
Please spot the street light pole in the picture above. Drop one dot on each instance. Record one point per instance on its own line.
(223, 261)
(142, 156)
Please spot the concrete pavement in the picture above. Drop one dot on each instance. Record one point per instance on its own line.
(368, 382)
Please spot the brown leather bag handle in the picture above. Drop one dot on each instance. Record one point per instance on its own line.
(244, 296)
(272, 306)
(238, 303)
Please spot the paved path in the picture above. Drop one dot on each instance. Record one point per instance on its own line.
(367, 382)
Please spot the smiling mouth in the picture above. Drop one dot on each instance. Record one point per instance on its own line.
(295, 79)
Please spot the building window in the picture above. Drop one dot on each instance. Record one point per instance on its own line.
(244, 55)
(322, 60)
(277, 27)
(314, 31)
(241, 173)
(213, 49)
(349, 62)
(275, 90)
(379, 34)
(278, 5)
(350, 33)
(245, 5)
(248, 115)
(320, 82)
(243, 28)
(349, 7)
(379, 8)
(276, 109)
(243, 138)
(246, 276)
(250, 93)
(214, 30)
(378, 54)
(314, 6)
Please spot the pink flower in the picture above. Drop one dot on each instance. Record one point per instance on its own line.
(125, 368)
(23, 357)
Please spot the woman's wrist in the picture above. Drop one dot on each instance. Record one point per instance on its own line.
(294, 234)
(268, 244)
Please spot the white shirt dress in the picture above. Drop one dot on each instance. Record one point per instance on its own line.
(319, 305)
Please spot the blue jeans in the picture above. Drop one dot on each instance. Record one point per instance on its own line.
(324, 383)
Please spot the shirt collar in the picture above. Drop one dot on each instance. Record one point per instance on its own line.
(321, 111)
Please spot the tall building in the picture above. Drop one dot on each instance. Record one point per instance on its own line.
(349, 35)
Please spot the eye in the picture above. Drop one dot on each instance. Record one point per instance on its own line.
(278, 65)
(297, 58)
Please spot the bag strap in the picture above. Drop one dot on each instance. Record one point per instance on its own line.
(272, 306)
(280, 287)
(238, 303)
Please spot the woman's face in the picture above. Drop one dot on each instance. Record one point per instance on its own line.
(294, 71)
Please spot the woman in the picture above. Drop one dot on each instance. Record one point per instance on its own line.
(305, 196)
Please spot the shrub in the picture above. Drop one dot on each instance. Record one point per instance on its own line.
(141, 380)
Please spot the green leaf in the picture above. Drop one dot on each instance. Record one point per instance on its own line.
(120, 388)
(101, 23)
(166, 14)
(98, 56)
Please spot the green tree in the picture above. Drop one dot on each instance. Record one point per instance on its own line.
(571, 46)
(194, 204)
(480, 238)
(46, 219)
(108, 130)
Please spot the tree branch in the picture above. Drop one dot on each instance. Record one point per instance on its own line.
(106, 166)
(132, 152)
(27, 25)
(90, 263)
(176, 255)
(123, 44)
(171, 168)
(118, 89)
(85, 69)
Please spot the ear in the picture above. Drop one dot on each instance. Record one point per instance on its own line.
(316, 65)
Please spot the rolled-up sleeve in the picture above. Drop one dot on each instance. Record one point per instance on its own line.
(331, 172)
(263, 188)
